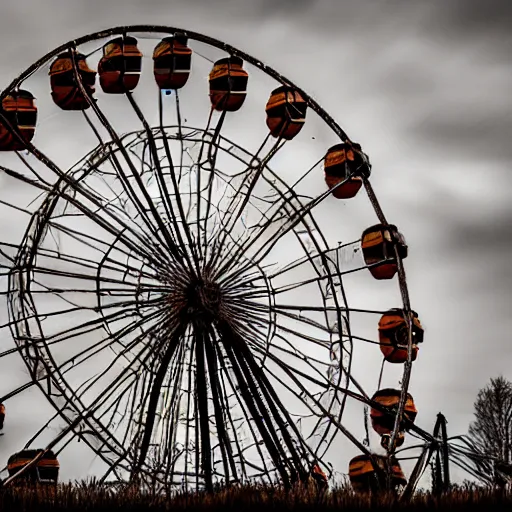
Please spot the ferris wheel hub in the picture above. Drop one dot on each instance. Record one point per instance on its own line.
(203, 297)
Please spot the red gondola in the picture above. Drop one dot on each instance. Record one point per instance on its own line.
(172, 61)
(394, 336)
(120, 66)
(66, 92)
(21, 113)
(345, 162)
(365, 478)
(45, 470)
(286, 112)
(390, 398)
(228, 84)
(378, 246)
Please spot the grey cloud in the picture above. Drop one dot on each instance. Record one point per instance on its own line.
(472, 16)
(426, 87)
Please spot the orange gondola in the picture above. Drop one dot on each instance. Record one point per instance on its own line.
(172, 60)
(378, 246)
(390, 398)
(364, 477)
(394, 336)
(342, 161)
(20, 111)
(120, 66)
(286, 112)
(2, 416)
(228, 84)
(66, 92)
(46, 469)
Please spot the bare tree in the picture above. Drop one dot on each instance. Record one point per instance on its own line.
(491, 432)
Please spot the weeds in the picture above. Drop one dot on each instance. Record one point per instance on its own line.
(92, 497)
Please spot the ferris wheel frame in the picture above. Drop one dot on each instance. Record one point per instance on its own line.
(232, 51)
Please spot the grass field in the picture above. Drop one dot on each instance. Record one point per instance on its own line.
(91, 497)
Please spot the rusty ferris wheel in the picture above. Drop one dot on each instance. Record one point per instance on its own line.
(186, 291)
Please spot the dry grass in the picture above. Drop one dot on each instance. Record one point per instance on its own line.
(91, 497)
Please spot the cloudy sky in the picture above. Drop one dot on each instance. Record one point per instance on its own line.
(425, 87)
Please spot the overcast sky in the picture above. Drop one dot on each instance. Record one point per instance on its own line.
(425, 87)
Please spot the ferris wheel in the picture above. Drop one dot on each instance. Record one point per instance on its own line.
(195, 272)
